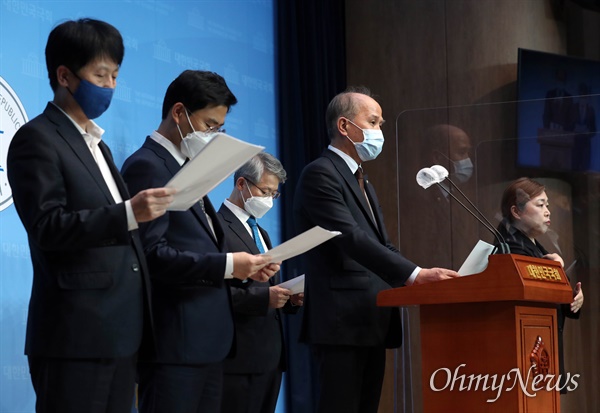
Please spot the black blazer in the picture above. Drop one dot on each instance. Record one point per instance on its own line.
(345, 274)
(191, 306)
(258, 328)
(89, 272)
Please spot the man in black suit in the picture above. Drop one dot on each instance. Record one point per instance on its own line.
(89, 300)
(187, 256)
(346, 329)
(254, 374)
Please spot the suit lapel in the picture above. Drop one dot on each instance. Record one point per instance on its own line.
(266, 237)
(114, 171)
(70, 134)
(238, 229)
(375, 205)
(173, 167)
(352, 184)
(216, 224)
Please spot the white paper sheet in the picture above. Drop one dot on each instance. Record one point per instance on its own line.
(300, 244)
(221, 157)
(295, 285)
(477, 260)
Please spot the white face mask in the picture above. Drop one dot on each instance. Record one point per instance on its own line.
(194, 141)
(371, 145)
(257, 206)
(463, 170)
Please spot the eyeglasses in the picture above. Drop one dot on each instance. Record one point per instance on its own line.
(207, 129)
(213, 129)
(274, 194)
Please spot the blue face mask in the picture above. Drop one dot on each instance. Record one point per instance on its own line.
(93, 100)
(372, 144)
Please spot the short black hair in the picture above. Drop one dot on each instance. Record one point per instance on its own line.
(75, 43)
(198, 89)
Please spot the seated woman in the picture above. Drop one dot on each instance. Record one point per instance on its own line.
(526, 216)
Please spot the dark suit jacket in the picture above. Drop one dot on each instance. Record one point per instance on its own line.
(519, 243)
(258, 329)
(345, 274)
(557, 109)
(191, 306)
(87, 299)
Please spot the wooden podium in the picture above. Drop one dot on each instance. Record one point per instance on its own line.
(476, 331)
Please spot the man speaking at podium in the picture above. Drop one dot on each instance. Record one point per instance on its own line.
(347, 331)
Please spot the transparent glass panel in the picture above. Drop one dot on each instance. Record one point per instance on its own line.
(485, 147)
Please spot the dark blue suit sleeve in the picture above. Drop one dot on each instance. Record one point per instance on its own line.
(177, 248)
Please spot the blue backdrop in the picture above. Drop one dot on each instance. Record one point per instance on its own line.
(162, 38)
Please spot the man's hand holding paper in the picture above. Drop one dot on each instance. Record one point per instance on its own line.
(301, 243)
(257, 267)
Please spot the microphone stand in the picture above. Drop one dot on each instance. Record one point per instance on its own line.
(504, 248)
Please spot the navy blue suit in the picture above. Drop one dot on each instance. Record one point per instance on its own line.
(90, 281)
(191, 304)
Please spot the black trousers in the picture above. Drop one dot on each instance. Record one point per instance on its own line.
(83, 385)
(167, 388)
(254, 393)
(350, 378)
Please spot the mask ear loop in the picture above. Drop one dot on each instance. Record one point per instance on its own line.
(188, 119)
(242, 191)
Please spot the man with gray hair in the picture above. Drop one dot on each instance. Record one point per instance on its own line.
(254, 374)
(348, 333)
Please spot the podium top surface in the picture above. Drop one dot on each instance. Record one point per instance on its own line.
(508, 277)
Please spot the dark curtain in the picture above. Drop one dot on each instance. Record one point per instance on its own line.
(311, 68)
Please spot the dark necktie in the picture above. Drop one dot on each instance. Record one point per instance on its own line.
(201, 201)
(361, 182)
(360, 178)
(254, 227)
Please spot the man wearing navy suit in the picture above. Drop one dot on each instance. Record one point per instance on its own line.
(254, 374)
(187, 256)
(347, 331)
(89, 301)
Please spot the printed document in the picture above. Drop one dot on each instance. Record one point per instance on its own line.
(300, 244)
(477, 260)
(296, 285)
(221, 157)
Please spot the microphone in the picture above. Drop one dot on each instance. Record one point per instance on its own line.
(437, 174)
(427, 177)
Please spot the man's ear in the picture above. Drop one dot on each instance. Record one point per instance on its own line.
(178, 112)
(62, 75)
(240, 183)
(342, 126)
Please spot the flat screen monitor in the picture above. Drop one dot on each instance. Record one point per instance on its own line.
(557, 110)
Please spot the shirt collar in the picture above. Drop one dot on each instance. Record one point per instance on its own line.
(240, 213)
(169, 146)
(347, 158)
(94, 133)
